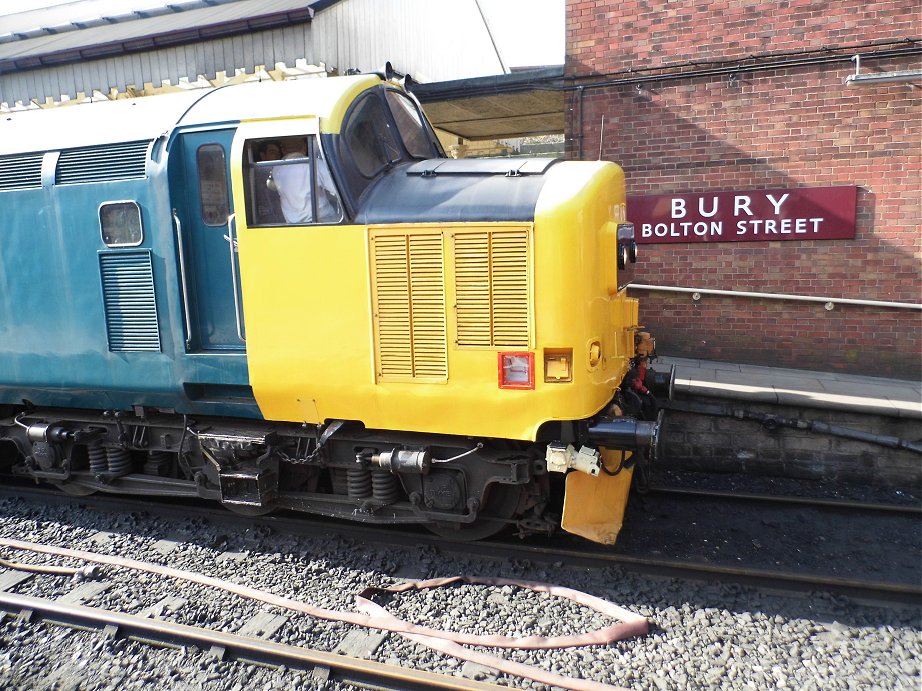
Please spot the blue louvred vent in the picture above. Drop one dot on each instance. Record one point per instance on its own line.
(129, 301)
(124, 161)
(21, 172)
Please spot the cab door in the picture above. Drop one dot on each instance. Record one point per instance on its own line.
(206, 228)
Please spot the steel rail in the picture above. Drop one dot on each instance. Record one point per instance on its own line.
(130, 502)
(355, 669)
(844, 504)
(582, 555)
(869, 591)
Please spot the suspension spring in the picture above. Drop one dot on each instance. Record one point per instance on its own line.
(157, 463)
(358, 482)
(385, 487)
(119, 462)
(98, 463)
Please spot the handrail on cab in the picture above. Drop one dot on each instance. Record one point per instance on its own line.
(182, 279)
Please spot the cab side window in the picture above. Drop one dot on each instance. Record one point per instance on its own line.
(289, 183)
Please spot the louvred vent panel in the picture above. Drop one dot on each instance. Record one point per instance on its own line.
(124, 161)
(409, 307)
(492, 285)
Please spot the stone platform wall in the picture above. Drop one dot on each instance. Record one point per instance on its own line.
(701, 442)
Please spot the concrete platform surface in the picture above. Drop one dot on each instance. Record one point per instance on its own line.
(833, 390)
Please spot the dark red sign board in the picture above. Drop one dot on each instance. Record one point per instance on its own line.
(806, 213)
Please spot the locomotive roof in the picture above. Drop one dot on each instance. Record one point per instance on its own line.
(127, 120)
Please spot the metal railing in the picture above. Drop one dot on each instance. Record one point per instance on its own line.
(828, 302)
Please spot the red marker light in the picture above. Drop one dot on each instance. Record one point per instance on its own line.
(516, 370)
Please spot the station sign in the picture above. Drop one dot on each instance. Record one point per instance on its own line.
(804, 213)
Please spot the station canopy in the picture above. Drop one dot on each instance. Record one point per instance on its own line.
(520, 104)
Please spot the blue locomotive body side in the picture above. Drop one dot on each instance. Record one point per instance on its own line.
(92, 314)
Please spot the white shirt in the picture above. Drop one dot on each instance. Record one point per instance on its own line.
(293, 183)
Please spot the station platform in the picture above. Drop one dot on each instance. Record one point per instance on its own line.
(828, 390)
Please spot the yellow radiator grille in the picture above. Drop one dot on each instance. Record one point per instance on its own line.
(409, 307)
(491, 283)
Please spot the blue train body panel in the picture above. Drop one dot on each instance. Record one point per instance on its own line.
(88, 321)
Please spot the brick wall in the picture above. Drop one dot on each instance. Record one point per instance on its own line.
(606, 36)
(764, 106)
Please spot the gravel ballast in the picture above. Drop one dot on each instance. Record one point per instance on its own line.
(701, 635)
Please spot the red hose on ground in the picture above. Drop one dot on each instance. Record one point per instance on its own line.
(374, 616)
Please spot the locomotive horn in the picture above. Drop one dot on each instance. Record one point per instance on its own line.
(387, 72)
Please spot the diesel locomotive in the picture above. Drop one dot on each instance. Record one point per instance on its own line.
(283, 295)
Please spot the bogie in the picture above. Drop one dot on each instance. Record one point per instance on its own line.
(462, 488)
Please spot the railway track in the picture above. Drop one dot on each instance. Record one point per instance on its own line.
(846, 504)
(869, 592)
(68, 609)
(680, 597)
(351, 670)
(565, 549)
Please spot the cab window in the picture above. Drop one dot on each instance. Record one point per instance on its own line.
(383, 127)
(369, 137)
(288, 182)
(212, 180)
(413, 131)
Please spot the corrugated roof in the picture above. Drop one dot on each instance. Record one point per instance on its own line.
(73, 15)
(212, 36)
(131, 32)
(430, 40)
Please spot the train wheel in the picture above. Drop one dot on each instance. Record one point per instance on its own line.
(75, 489)
(502, 502)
